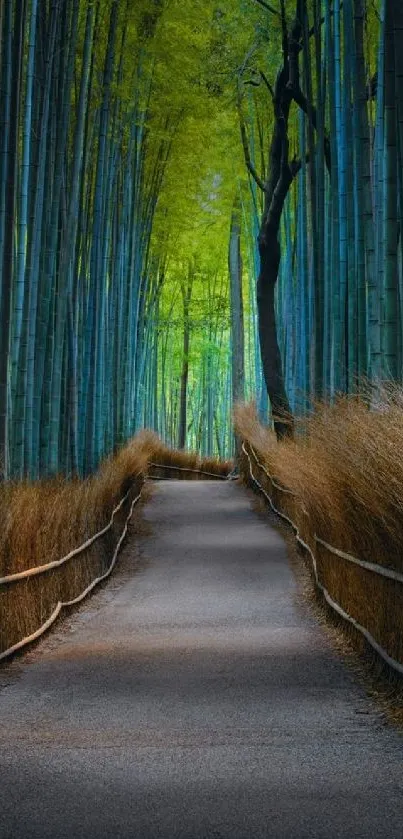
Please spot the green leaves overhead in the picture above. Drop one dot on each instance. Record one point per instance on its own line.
(120, 162)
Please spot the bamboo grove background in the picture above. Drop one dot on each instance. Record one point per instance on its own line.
(128, 221)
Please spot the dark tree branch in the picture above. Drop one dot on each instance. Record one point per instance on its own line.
(310, 110)
(296, 166)
(267, 83)
(286, 171)
(249, 165)
(253, 82)
(294, 51)
(270, 254)
(284, 32)
(282, 172)
(294, 85)
(372, 88)
(281, 104)
(244, 64)
(267, 7)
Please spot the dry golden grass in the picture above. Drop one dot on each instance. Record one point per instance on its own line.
(345, 468)
(188, 461)
(45, 520)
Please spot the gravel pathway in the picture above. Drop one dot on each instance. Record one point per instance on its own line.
(195, 698)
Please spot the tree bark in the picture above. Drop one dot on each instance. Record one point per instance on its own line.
(237, 324)
(269, 249)
(281, 175)
(10, 226)
(182, 430)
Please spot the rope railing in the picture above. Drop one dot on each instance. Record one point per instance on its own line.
(65, 604)
(45, 568)
(49, 566)
(392, 662)
(270, 477)
(188, 469)
(369, 566)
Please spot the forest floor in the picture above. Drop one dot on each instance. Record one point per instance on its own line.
(195, 697)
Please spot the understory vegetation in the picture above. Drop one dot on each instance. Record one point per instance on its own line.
(158, 162)
(343, 476)
(202, 204)
(44, 521)
(346, 467)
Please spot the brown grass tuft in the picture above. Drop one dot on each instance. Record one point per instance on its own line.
(345, 468)
(188, 461)
(44, 520)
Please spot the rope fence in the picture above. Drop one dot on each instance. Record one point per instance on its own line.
(215, 475)
(369, 566)
(374, 568)
(42, 569)
(60, 605)
(51, 565)
(46, 568)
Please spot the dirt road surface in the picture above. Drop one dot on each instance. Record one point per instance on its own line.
(195, 698)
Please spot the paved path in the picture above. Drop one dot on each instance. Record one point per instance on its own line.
(195, 699)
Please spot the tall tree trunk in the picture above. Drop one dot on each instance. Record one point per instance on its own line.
(391, 219)
(276, 187)
(43, 175)
(398, 35)
(365, 220)
(21, 256)
(281, 175)
(10, 217)
(269, 249)
(237, 324)
(186, 297)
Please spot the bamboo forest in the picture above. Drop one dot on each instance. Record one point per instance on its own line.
(200, 202)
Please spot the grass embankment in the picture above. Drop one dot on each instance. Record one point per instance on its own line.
(345, 468)
(187, 465)
(43, 521)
